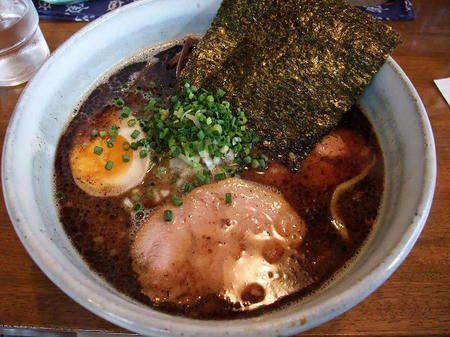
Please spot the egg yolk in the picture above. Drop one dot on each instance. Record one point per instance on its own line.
(89, 166)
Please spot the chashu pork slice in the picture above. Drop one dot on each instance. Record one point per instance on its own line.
(246, 252)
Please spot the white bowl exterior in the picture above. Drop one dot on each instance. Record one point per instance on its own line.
(47, 103)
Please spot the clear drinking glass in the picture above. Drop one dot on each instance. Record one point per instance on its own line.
(22, 46)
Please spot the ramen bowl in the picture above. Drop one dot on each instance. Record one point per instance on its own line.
(46, 106)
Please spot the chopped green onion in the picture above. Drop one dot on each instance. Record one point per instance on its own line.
(195, 126)
(198, 147)
(176, 152)
(109, 143)
(98, 150)
(187, 188)
(109, 165)
(202, 179)
(255, 163)
(135, 134)
(217, 129)
(118, 102)
(126, 111)
(224, 149)
(176, 200)
(143, 153)
(168, 215)
(262, 163)
(137, 207)
(164, 113)
(220, 93)
(102, 134)
(220, 176)
(126, 146)
(163, 133)
(255, 138)
(131, 123)
(125, 158)
(228, 198)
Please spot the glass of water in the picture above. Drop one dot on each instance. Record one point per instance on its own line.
(22, 47)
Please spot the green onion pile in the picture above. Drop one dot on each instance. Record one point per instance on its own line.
(197, 126)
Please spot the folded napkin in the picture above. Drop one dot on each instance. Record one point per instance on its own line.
(90, 10)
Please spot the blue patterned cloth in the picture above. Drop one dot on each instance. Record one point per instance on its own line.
(83, 11)
(397, 10)
(90, 10)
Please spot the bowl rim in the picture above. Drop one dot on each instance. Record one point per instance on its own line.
(81, 289)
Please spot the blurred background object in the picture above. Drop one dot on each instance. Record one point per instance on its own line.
(64, 2)
(366, 2)
(88, 10)
(77, 11)
(22, 46)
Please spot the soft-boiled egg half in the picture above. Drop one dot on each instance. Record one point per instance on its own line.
(105, 165)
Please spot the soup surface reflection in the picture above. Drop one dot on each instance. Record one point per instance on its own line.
(216, 254)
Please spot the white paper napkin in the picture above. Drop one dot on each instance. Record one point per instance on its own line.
(443, 85)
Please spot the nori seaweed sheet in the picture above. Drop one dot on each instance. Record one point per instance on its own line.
(294, 66)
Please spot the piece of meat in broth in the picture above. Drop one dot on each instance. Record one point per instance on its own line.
(244, 251)
(339, 156)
